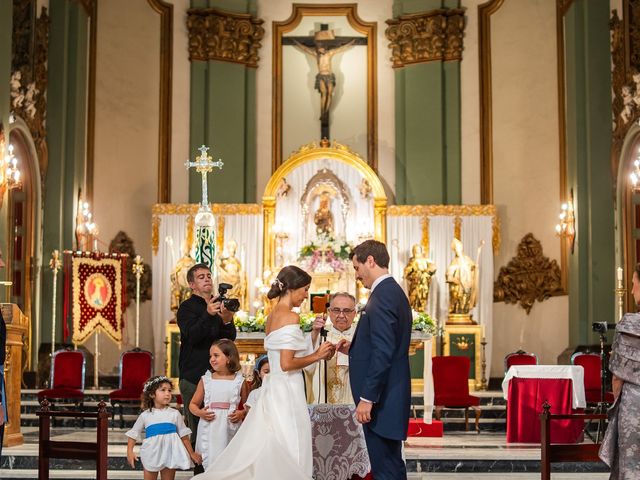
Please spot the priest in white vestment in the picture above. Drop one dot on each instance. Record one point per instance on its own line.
(342, 311)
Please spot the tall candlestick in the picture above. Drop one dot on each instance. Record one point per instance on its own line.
(619, 274)
(55, 265)
(620, 292)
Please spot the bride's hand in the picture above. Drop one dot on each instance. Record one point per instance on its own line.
(326, 350)
(207, 415)
(343, 346)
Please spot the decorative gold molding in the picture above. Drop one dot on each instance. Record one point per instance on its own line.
(486, 117)
(216, 208)
(155, 233)
(457, 211)
(225, 36)
(165, 10)
(528, 277)
(350, 11)
(426, 36)
(220, 233)
(457, 228)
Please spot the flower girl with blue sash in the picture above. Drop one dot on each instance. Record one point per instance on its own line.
(166, 446)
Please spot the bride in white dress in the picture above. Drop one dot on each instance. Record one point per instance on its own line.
(274, 440)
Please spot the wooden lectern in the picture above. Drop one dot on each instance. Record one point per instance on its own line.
(17, 333)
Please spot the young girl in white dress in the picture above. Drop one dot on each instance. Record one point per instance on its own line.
(216, 401)
(166, 446)
(260, 370)
(274, 441)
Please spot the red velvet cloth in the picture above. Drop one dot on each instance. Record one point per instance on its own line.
(524, 406)
(417, 428)
(67, 377)
(519, 359)
(451, 382)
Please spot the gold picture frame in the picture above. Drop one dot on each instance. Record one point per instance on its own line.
(465, 340)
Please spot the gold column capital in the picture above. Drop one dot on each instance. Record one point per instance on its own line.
(225, 36)
(426, 36)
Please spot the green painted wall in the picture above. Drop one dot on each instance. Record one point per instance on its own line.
(592, 266)
(223, 117)
(427, 113)
(66, 120)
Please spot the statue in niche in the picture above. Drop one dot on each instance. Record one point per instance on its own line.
(230, 271)
(323, 217)
(325, 78)
(180, 290)
(418, 273)
(462, 278)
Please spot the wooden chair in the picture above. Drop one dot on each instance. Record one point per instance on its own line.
(519, 358)
(72, 450)
(67, 379)
(560, 453)
(136, 367)
(451, 387)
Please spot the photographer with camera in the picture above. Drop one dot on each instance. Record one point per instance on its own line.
(202, 320)
(621, 441)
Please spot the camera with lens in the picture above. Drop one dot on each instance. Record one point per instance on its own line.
(231, 304)
(602, 327)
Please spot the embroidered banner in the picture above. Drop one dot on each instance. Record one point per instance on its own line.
(98, 286)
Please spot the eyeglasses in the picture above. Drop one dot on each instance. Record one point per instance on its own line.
(344, 311)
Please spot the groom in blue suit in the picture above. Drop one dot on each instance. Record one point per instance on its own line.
(379, 362)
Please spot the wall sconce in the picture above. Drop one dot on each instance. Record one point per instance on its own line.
(281, 237)
(86, 229)
(567, 226)
(9, 173)
(634, 176)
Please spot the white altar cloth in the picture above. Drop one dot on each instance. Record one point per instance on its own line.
(573, 372)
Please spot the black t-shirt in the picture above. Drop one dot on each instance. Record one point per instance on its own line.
(198, 330)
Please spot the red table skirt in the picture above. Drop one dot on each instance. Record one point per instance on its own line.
(524, 406)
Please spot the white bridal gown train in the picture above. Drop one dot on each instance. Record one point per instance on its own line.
(274, 440)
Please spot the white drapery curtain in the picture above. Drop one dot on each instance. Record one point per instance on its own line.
(245, 229)
(359, 218)
(405, 231)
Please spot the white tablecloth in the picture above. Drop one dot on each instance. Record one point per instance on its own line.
(573, 372)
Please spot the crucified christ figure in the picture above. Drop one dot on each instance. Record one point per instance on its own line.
(325, 78)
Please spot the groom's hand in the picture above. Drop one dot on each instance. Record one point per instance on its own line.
(363, 411)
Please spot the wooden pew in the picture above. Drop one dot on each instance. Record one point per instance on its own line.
(560, 453)
(75, 450)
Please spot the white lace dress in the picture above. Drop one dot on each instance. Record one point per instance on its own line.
(162, 446)
(222, 397)
(274, 440)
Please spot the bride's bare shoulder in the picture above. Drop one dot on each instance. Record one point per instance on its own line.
(280, 318)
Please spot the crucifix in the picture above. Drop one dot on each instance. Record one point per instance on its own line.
(322, 47)
(205, 223)
(204, 166)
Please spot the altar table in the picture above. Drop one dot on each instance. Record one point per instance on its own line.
(527, 387)
(339, 449)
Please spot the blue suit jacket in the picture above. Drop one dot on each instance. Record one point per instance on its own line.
(379, 359)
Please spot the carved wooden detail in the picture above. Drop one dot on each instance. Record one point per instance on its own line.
(218, 35)
(528, 277)
(29, 74)
(426, 37)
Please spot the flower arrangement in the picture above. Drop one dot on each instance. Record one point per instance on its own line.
(325, 250)
(423, 322)
(249, 323)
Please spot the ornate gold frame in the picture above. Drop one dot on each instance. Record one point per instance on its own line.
(306, 154)
(476, 332)
(485, 11)
(349, 10)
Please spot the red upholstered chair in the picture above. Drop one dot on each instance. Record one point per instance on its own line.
(519, 358)
(136, 367)
(67, 377)
(592, 381)
(451, 387)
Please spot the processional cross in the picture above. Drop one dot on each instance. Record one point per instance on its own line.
(205, 234)
(204, 166)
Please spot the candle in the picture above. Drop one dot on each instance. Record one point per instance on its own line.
(483, 332)
(619, 274)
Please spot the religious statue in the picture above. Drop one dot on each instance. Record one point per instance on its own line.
(180, 290)
(325, 78)
(230, 271)
(323, 217)
(418, 273)
(462, 277)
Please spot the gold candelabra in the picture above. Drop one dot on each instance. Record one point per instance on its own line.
(620, 292)
(54, 265)
(138, 270)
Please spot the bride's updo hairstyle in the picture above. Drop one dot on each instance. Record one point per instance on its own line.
(289, 278)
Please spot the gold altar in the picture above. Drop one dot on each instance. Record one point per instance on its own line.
(17, 332)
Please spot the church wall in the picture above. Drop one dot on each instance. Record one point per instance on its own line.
(6, 27)
(126, 139)
(526, 166)
(279, 10)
